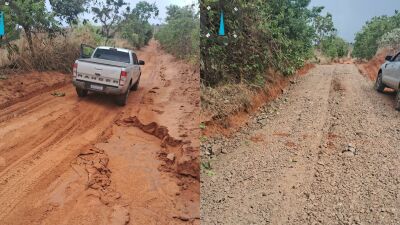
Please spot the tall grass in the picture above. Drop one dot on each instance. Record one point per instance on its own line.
(55, 53)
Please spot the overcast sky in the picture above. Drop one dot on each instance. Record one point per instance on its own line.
(349, 16)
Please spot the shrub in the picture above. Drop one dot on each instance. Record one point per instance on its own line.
(390, 40)
(180, 36)
(367, 40)
(275, 34)
(334, 47)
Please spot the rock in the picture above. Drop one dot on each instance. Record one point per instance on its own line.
(350, 148)
(348, 154)
(171, 156)
(223, 151)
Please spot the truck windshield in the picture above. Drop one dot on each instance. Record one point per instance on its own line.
(112, 55)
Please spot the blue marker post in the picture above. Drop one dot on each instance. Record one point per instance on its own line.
(2, 24)
(221, 25)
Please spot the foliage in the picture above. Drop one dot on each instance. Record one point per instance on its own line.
(136, 27)
(11, 34)
(180, 35)
(323, 25)
(32, 16)
(47, 45)
(108, 13)
(367, 40)
(273, 34)
(390, 40)
(88, 34)
(69, 10)
(334, 47)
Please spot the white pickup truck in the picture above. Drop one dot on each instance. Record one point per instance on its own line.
(109, 70)
(389, 76)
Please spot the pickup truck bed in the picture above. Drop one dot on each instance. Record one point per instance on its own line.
(108, 75)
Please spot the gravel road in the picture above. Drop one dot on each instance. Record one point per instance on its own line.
(326, 152)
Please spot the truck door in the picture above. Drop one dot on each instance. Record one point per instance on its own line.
(86, 51)
(392, 75)
(136, 68)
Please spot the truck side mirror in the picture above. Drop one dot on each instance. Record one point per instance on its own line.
(389, 58)
(141, 62)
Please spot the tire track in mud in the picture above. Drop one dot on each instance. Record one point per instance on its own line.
(55, 144)
(42, 153)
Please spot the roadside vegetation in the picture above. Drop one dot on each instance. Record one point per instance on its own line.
(265, 42)
(379, 32)
(49, 40)
(382, 36)
(180, 34)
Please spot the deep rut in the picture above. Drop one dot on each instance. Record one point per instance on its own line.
(50, 146)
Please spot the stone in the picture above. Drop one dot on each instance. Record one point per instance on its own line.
(171, 156)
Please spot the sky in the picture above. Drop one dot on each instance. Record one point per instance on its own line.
(349, 16)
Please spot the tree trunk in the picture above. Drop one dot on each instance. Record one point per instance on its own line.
(28, 35)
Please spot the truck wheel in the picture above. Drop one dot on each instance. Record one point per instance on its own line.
(379, 86)
(397, 103)
(136, 85)
(122, 99)
(81, 92)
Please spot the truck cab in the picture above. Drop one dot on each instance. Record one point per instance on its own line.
(109, 70)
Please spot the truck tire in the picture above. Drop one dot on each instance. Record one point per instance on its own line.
(397, 101)
(81, 92)
(136, 85)
(121, 100)
(379, 86)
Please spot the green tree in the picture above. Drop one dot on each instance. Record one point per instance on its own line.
(180, 35)
(109, 14)
(136, 27)
(367, 40)
(276, 34)
(323, 25)
(390, 40)
(334, 47)
(10, 28)
(143, 11)
(32, 16)
(69, 11)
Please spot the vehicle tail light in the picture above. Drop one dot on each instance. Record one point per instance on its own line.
(75, 70)
(123, 78)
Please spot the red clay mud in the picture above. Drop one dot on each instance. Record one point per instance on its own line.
(64, 160)
(19, 87)
(370, 68)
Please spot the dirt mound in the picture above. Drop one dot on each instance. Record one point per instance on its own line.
(225, 111)
(154, 129)
(19, 87)
(370, 68)
(179, 156)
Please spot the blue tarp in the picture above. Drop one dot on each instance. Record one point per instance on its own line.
(1, 24)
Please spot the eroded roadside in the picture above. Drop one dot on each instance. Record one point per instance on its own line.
(66, 160)
(324, 153)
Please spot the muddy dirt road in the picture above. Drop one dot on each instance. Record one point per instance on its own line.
(326, 152)
(65, 160)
